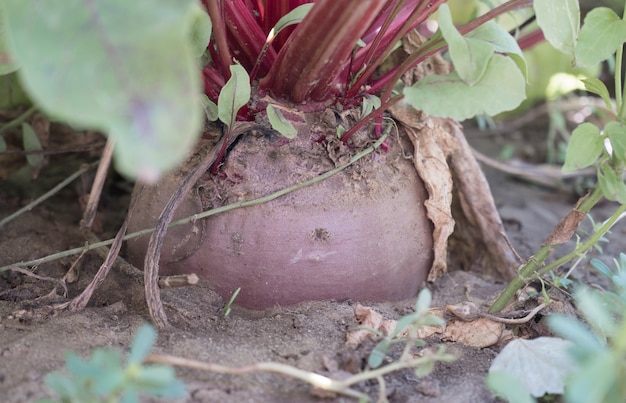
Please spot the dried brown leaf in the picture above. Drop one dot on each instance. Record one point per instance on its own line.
(369, 319)
(479, 333)
(432, 147)
(566, 228)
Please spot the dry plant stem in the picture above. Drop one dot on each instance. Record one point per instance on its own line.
(543, 174)
(186, 220)
(479, 205)
(316, 380)
(43, 278)
(180, 280)
(530, 268)
(151, 262)
(512, 321)
(80, 302)
(98, 185)
(47, 195)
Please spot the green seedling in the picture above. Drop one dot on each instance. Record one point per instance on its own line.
(103, 377)
(229, 305)
(408, 324)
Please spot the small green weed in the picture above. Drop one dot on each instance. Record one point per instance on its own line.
(104, 378)
(600, 346)
(229, 305)
(409, 325)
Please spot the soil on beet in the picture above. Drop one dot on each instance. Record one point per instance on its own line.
(310, 336)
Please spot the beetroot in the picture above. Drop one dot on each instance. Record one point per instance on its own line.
(362, 234)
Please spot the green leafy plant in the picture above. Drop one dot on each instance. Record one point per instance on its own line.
(133, 71)
(586, 367)
(104, 377)
(406, 332)
(590, 145)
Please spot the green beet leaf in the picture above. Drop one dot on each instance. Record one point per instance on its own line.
(6, 64)
(501, 88)
(125, 68)
(501, 42)
(560, 22)
(584, 148)
(200, 31)
(293, 17)
(280, 123)
(470, 57)
(234, 95)
(602, 33)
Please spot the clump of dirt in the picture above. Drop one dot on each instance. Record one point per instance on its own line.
(34, 335)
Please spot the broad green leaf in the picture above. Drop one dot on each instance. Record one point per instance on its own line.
(500, 40)
(3, 144)
(612, 185)
(600, 36)
(234, 95)
(594, 85)
(125, 68)
(293, 17)
(200, 31)
(144, 340)
(470, 57)
(540, 365)
(508, 387)
(210, 108)
(617, 135)
(584, 148)
(501, 88)
(279, 123)
(7, 65)
(31, 143)
(560, 22)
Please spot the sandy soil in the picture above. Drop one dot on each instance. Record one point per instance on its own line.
(33, 337)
